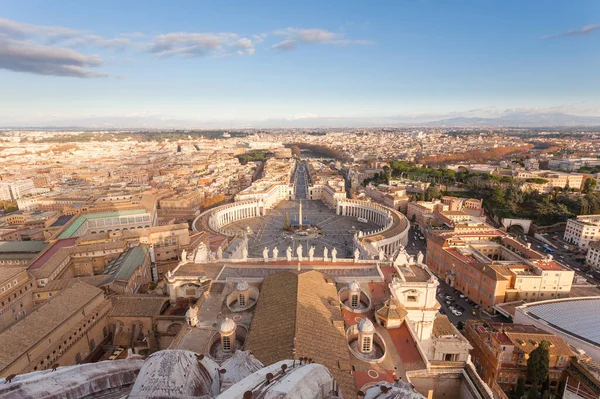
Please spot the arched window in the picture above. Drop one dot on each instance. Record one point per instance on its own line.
(354, 302)
(366, 344)
(242, 300)
(226, 340)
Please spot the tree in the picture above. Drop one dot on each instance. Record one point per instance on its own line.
(287, 225)
(520, 390)
(460, 325)
(533, 392)
(545, 386)
(546, 395)
(432, 192)
(589, 185)
(538, 364)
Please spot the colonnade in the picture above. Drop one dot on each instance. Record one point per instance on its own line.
(230, 213)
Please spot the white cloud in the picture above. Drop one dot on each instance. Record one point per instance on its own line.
(297, 36)
(575, 32)
(199, 44)
(23, 56)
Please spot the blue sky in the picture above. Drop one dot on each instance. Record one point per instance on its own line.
(252, 61)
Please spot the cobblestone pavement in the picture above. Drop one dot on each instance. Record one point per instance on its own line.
(267, 231)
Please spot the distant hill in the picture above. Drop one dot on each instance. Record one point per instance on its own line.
(521, 120)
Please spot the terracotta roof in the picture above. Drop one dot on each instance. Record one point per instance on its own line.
(442, 326)
(137, 306)
(392, 309)
(525, 342)
(28, 332)
(295, 317)
(61, 284)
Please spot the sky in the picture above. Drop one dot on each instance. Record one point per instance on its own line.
(235, 62)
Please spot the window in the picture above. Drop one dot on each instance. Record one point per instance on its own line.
(226, 341)
(366, 344)
(354, 302)
(411, 298)
(242, 300)
(15, 282)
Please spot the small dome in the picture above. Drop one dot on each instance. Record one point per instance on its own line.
(354, 286)
(227, 326)
(366, 326)
(242, 286)
(191, 312)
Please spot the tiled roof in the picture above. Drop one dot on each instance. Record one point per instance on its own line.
(137, 306)
(295, 317)
(22, 336)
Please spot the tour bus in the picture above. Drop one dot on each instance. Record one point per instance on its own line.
(363, 220)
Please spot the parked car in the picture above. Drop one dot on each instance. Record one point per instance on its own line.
(462, 296)
(448, 297)
(442, 311)
(457, 313)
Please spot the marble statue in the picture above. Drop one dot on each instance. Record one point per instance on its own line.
(288, 254)
(401, 259)
(219, 253)
(183, 255)
(311, 253)
(245, 253)
(325, 254)
(381, 254)
(201, 254)
(275, 253)
(356, 254)
(266, 254)
(420, 257)
(299, 252)
(334, 254)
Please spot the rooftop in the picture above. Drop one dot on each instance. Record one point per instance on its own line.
(77, 223)
(22, 336)
(578, 317)
(137, 305)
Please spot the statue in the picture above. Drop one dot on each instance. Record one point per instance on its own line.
(420, 257)
(266, 254)
(201, 254)
(381, 254)
(288, 254)
(356, 254)
(299, 252)
(219, 253)
(334, 255)
(325, 253)
(245, 253)
(311, 253)
(275, 253)
(401, 258)
(183, 255)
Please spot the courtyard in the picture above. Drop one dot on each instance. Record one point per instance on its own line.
(267, 231)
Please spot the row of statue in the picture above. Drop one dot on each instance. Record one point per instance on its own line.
(299, 254)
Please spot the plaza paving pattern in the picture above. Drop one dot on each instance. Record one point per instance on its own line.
(267, 231)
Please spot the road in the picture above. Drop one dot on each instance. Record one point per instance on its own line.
(564, 257)
(300, 182)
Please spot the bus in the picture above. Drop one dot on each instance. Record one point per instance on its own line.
(363, 220)
(547, 249)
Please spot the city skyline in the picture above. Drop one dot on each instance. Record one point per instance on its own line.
(215, 65)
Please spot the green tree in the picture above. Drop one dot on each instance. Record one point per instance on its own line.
(589, 185)
(432, 192)
(520, 390)
(538, 364)
(533, 392)
(546, 395)
(287, 225)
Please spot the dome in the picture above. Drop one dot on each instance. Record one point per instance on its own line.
(227, 326)
(242, 286)
(366, 326)
(191, 312)
(354, 286)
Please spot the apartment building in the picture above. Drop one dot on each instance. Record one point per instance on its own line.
(553, 180)
(16, 294)
(489, 267)
(592, 258)
(500, 353)
(582, 230)
(63, 331)
(12, 191)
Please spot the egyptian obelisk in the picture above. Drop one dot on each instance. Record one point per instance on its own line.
(300, 214)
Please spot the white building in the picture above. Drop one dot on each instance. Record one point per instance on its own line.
(593, 255)
(582, 230)
(12, 191)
